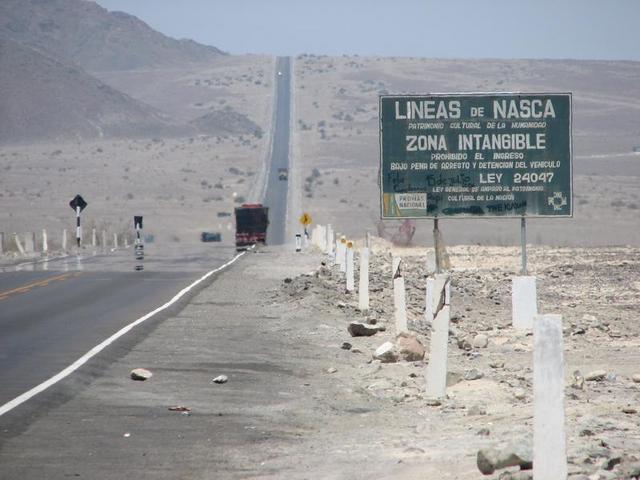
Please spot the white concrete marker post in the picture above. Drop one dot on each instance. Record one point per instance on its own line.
(298, 242)
(29, 242)
(18, 243)
(399, 300)
(341, 254)
(115, 240)
(330, 240)
(524, 302)
(429, 308)
(436, 377)
(64, 239)
(322, 240)
(104, 239)
(363, 283)
(45, 241)
(1, 243)
(350, 268)
(549, 439)
(94, 239)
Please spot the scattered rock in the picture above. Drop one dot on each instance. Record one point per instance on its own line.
(346, 346)
(517, 475)
(578, 380)
(516, 455)
(179, 408)
(409, 347)
(220, 379)
(596, 376)
(433, 402)
(480, 341)
(356, 350)
(497, 364)
(483, 432)
(386, 353)
(414, 451)
(611, 462)
(473, 374)
(636, 378)
(141, 374)
(519, 394)
(332, 370)
(288, 280)
(629, 410)
(359, 329)
(476, 410)
(465, 344)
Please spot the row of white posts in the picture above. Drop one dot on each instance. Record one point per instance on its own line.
(28, 244)
(549, 439)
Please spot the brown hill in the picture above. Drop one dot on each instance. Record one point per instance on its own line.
(226, 122)
(43, 98)
(95, 38)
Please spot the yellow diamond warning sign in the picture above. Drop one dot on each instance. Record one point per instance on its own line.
(305, 219)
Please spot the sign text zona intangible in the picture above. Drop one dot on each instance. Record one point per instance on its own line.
(475, 155)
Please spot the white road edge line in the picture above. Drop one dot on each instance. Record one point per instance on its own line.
(7, 407)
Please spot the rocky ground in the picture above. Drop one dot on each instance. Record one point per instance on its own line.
(489, 402)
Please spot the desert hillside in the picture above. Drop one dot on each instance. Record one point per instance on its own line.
(45, 99)
(95, 38)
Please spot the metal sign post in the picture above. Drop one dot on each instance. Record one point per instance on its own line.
(78, 204)
(138, 248)
(523, 244)
(436, 245)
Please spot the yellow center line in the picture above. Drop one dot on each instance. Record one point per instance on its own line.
(40, 283)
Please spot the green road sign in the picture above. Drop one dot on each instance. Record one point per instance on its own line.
(476, 155)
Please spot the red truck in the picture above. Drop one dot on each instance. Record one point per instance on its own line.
(252, 220)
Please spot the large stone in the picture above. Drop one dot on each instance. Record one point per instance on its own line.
(473, 374)
(516, 455)
(636, 378)
(220, 379)
(480, 341)
(596, 376)
(409, 347)
(386, 353)
(359, 329)
(141, 374)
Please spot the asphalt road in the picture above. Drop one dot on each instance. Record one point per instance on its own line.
(276, 196)
(49, 318)
(54, 311)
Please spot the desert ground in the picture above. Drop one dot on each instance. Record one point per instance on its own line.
(335, 142)
(489, 400)
(181, 185)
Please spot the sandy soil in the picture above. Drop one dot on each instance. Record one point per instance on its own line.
(180, 186)
(336, 142)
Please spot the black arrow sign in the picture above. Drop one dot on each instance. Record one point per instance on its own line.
(78, 201)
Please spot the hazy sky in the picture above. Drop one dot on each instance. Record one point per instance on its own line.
(584, 29)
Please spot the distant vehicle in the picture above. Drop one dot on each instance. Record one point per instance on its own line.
(279, 74)
(283, 174)
(210, 237)
(252, 220)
